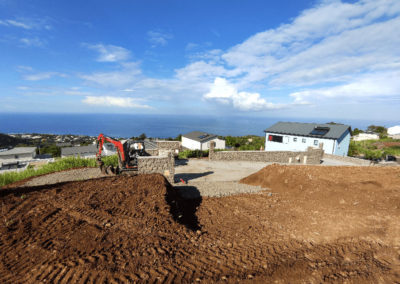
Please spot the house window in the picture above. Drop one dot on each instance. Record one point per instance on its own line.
(295, 139)
(303, 140)
(275, 138)
(316, 142)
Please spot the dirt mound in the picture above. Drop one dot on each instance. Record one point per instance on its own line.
(137, 229)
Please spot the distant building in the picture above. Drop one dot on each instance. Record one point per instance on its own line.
(394, 132)
(293, 136)
(81, 151)
(197, 140)
(18, 157)
(366, 136)
(63, 144)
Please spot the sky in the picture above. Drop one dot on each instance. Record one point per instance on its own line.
(287, 58)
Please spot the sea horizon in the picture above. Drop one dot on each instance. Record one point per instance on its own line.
(160, 126)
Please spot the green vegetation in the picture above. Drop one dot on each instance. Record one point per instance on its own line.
(192, 154)
(249, 142)
(381, 130)
(51, 149)
(58, 165)
(369, 148)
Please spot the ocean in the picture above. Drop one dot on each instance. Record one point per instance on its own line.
(161, 126)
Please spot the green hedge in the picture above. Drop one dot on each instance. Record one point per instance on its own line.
(192, 154)
(59, 165)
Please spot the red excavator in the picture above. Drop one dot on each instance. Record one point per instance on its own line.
(127, 150)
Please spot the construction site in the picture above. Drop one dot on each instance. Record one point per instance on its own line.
(204, 220)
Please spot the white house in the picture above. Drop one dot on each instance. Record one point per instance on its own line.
(17, 157)
(81, 151)
(394, 132)
(366, 136)
(197, 140)
(293, 136)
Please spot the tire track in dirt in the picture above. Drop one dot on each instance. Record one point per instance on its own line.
(125, 230)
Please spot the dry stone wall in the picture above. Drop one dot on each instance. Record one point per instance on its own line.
(310, 157)
(164, 165)
(152, 152)
(165, 147)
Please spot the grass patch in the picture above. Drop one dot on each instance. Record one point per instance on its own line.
(369, 150)
(59, 165)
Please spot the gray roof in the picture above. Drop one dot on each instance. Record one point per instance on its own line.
(200, 136)
(150, 145)
(18, 151)
(305, 129)
(79, 150)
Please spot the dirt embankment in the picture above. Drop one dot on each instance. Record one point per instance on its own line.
(127, 229)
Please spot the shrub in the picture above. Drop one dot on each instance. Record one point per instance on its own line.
(192, 154)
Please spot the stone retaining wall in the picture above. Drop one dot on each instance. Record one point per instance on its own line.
(165, 147)
(152, 152)
(356, 161)
(310, 157)
(164, 165)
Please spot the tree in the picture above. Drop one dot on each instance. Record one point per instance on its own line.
(381, 130)
(357, 131)
(142, 136)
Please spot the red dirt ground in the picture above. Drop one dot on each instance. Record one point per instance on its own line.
(381, 145)
(317, 224)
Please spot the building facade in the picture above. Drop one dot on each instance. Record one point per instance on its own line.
(290, 136)
(197, 140)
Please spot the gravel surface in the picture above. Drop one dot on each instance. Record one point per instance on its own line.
(196, 189)
(70, 175)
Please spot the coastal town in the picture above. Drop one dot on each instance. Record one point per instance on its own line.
(18, 151)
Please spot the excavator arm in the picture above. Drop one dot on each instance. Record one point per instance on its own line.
(126, 160)
(120, 149)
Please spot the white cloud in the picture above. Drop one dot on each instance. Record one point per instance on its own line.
(42, 76)
(226, 93)
(110, 53)
(124, 78)
(385, 84)
(32, 41)
(157, 38)
(27, 23)
(114, 101)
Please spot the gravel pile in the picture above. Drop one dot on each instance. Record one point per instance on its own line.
(70, 175)
(196, 189)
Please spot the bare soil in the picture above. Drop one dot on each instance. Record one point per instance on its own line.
(315, 224)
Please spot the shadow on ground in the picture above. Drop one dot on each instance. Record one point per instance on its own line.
(189, 176)
(183, 209)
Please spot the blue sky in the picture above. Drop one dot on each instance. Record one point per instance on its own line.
(330, 58)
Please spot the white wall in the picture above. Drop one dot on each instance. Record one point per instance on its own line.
(17, 157)
(219, 144)
(194, 145)
(365, 136)
(190, 144)
(289, 144)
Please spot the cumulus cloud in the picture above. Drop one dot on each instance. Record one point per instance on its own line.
(226, 93)
(110, 53)
(114, 101)
(157, 38)
(386, 84)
